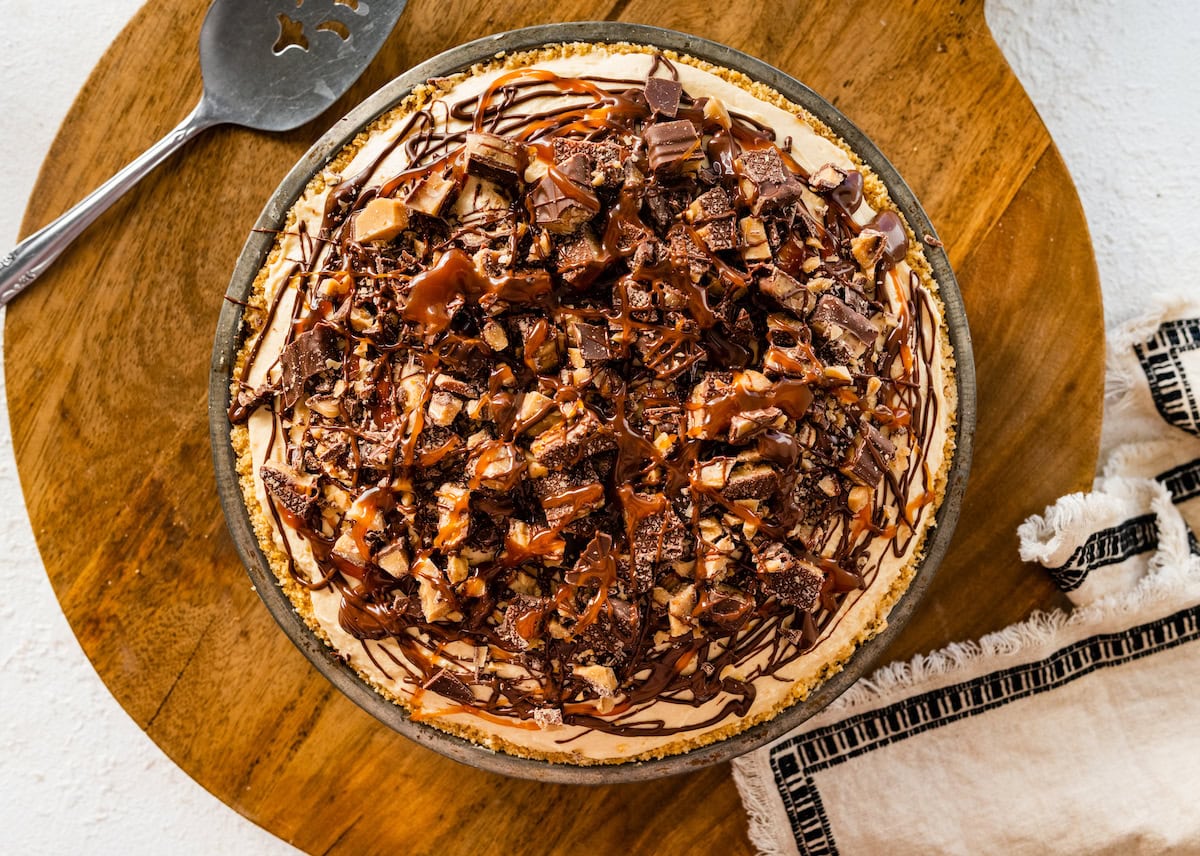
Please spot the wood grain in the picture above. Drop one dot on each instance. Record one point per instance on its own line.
(106, 362)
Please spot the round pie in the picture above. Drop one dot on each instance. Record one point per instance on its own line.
(594, 403)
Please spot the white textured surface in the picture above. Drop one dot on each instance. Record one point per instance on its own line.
(1115, 83)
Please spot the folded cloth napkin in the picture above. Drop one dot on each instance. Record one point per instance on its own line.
(1068, 733)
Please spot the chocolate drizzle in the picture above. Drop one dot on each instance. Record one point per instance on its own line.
(624, 414)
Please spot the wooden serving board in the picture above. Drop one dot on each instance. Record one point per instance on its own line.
(107, 360)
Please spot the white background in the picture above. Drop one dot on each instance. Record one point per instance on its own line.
(1115, 82)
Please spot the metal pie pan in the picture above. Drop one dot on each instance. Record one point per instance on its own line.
(228, 341)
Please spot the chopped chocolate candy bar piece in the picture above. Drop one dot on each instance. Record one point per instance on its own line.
(496, 465)
(604, 160)
(494, 158)
(765, 167)
(664, 204)
(794, 581)
(568, 442)
(868, 456)
(709, 205)
(658, 538)
(713, 214)
(308, 354)
(685, 251)
(751, 481)
(432, 194)
(561, 206)
(539, 342)
(772, 184)
(570, 495)
(832, 316)
(719, 234)
(592, 341)
(295, 492)
(827, 177)
(576, 255)
(867, 248)
(787, 290)
(576, 169)
(454, 518)
(749, 424)
(446, 683)
(524, 621)
(672, 146)
(662, 96)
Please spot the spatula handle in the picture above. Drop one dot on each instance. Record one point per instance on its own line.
(26, 262)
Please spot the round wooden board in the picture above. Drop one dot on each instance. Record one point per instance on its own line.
(107, 360)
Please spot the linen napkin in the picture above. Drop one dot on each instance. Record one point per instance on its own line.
(1070, 732)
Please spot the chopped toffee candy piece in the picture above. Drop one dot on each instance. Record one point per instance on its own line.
(672, 146)
(749, 424)
(602, 678)
(548, 718)
(589, 405)
(794, 581)
(381, 220)
(868, 248)
(662, 96)
(658, 538)
(310, 353)
(714, 217)
(684, 251)
(561, 206)
(494, 158)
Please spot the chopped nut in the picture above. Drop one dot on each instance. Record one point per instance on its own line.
(494, 335)
(457, 569)
(859, 498)
(679, 610)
